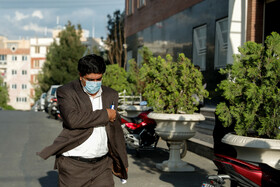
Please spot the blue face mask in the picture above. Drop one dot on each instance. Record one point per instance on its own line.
(92, 86)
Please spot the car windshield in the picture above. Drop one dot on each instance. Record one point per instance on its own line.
(53, 91)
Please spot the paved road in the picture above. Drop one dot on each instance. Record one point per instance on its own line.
(22, 134)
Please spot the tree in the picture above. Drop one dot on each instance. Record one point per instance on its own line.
(115, 40)
(62, 59)
(4, 99)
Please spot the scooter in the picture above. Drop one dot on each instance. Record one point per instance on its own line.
(139, 133)
(241, 173)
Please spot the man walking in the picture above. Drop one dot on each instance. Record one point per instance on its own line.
(91, 145)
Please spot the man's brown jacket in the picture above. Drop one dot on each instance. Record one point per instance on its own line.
(79, 121)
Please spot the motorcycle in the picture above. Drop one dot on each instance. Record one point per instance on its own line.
(53, 109)
(139, 133)
(242, 173)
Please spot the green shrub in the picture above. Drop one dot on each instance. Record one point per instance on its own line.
(116, 78)
(133, 77)
(170, 86)
(252, 91)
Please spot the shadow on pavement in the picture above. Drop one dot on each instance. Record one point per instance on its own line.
(146, 161)
(49, 180)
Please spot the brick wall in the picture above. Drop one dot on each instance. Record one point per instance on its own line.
(153, 12)
(255, 19)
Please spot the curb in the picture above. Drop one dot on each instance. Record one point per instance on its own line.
(201, 148)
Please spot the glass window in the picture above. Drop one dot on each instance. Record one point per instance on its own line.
(21, 99)
(3, 57)
(24, 72)
(14, 86)
(128, 57)
(53, 91)
(129, 7)
(199, 46)
(139, 56)
(36, 64)
(141, 3)
(24, 58)
(37, 49)
(221, 43)
(14, 72)
(24, 86)
(14, 58)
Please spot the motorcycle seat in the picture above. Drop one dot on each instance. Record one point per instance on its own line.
(135, 120)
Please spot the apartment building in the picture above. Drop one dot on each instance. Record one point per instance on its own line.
(208, 32)
(14, 67)
(21, 61)
(38, 50)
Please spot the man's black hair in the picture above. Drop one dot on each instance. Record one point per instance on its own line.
(91, 64)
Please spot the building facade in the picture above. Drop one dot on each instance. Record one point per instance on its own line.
(208, 32)
(39, 48)
(21, 61)
(14, 67)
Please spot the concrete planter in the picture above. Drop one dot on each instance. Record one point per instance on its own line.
(255, 149)
(175, 128)
(134, 110)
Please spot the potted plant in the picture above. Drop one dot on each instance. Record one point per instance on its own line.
(170, 88)
(252, 104)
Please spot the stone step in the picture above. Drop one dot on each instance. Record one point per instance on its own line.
(208, 111)
(202, 143)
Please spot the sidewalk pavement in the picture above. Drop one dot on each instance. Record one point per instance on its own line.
(142, 171)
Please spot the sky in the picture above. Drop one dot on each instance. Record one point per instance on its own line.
(36, 18)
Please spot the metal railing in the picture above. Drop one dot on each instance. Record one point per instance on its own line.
(129, 99)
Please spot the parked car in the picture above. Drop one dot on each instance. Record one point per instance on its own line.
(41, 102)
(35, 106)
(50, 94)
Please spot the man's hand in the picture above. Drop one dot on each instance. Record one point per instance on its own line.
(111, 114)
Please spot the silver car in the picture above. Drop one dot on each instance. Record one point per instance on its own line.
(50, 94)
(41, 102)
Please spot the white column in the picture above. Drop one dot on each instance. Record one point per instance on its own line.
(237, 23)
